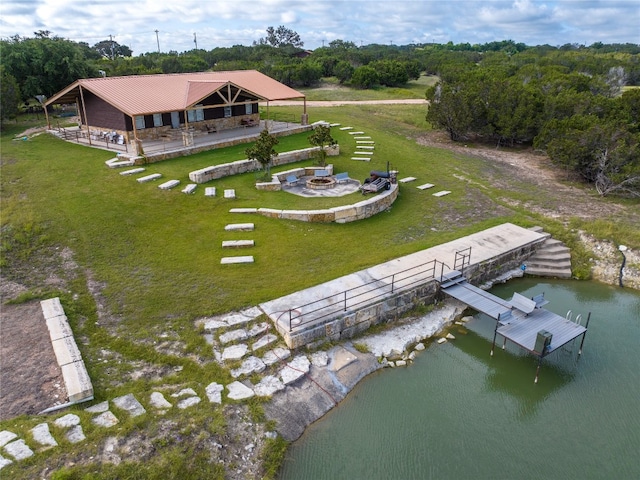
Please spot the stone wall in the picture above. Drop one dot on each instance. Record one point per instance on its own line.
(352, 323)
(244, 166)
(342, 214)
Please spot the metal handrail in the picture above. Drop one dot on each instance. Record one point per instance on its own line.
(353, 297)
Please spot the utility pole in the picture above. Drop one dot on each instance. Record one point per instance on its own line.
(111, 40)
(195, 40)
(157, 39)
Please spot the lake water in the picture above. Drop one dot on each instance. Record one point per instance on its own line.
(457, 413)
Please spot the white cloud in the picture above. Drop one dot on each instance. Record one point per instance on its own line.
(229, 22)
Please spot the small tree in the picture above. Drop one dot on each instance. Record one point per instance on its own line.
(320, 137)
(263, 151)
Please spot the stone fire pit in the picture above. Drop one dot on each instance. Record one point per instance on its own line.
(320, 183)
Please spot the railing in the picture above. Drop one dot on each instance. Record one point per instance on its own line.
(80, 136)
(372, 291)
(362, 294)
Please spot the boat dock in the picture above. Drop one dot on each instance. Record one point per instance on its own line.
(520, 320)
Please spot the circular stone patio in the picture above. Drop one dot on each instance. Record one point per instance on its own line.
(340, 189)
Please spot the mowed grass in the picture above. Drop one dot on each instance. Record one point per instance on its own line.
(158, 252)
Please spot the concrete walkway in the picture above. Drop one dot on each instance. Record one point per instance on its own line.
(318, 302)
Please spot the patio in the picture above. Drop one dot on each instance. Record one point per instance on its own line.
(181, 142)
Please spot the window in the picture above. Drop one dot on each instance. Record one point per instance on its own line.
(140, 122)
(157, 119)
(196, 115)
(248, 108)
(227, 112)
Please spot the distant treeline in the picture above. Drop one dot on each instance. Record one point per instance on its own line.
(574, 102)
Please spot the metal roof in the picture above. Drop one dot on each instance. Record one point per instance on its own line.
(146, 94)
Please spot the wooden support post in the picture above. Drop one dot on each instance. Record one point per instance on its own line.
(495, 332)
(586, 326)
(84, 112)
(538, 369)
(504, 343)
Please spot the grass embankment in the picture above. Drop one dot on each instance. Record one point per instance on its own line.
(157, 253)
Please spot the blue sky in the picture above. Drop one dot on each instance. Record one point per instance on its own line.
(223, 23)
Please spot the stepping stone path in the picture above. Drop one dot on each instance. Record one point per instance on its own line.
(442, 193)
(240, 259)
(425, 186)
(244, 227)
(210, 191)
(407, 179)
(230, 193)
(356, 133)
(237, 243)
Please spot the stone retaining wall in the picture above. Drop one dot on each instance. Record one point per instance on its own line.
(244, 166)
(184, 151)
(352, 323)
(342, 214)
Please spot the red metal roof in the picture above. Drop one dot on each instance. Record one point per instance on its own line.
(146, 94)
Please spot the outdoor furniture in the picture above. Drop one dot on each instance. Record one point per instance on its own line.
(375, 186)
(321, 173)
(342, 177)
(291, 180)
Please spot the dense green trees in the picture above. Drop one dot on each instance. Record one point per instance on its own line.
(9, 97)
(572, 110)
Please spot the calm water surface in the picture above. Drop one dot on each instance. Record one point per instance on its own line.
(456, 413)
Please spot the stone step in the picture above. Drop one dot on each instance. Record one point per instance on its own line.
(133, 171)
(230, 193)
(210, 191)
(169, 185)
(243, 210)
(552, 273)
(552, 264)
(442, 193)
(361, 159)
(425, 186)
(241, 227)
(542, 255)
(149, 178)
(237, 243)
(190, 188)
(241, 259)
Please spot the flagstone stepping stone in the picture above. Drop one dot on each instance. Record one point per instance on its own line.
(295, 369)
(334, 125)
(4, 462)
(75, 434)
(356, 133)
(366, 147)
(214, 392)
(238, 243)
(6, 436)
(183, 392)
(69, 420)
(365, 142)
(133, 171)
(242, 227)
(239, 391)
(235, 352)
(210, 192)
(276, 355)
(363, 153)
(268, 386)
(98, 407)
(130, 404)
(249, 365)
(258, 329)
(362, 138)
(243, 210)
(407, 179)
(442, 193)
(19, 450)
(230, 193)
(320, 359)
(243, 316)
(262, 342)
(361, 159)
(233, 336)
(346, 128)
(190, 188)
(241, 259)
(42, 435)
(106, 419)
(188, 402)
(169, 185)
(149, 178)
(426, 186)
(158, 401)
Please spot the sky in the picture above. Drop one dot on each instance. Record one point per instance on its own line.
(181, 25)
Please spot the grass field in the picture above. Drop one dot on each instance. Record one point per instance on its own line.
(156, 254)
